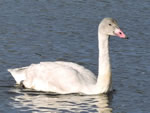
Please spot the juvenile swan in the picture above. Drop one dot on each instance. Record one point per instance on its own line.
(67, 77)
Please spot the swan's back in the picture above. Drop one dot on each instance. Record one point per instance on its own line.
(60, 77)
(87, 74)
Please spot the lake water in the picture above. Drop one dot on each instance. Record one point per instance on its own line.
(47, 30)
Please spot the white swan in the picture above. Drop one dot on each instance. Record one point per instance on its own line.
(67, 77)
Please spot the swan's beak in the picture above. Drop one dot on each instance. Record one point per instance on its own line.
(118, 32)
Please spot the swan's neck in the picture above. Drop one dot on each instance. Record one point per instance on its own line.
(104, 72)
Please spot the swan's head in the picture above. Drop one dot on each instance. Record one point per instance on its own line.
(109, 26)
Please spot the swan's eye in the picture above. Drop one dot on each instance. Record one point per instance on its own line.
(109, 24)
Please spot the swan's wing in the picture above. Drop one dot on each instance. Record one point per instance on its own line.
(85, 74)
(60, 77)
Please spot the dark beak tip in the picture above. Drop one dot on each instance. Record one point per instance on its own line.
(126, 37)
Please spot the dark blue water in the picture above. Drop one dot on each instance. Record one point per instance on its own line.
(49, 30)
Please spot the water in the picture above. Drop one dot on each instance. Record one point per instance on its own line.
(49, 30)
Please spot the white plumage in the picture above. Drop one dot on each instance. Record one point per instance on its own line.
(67, 77)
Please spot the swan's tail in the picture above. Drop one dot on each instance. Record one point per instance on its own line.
(18, 74)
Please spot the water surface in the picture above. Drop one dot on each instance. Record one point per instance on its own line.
(49, 30)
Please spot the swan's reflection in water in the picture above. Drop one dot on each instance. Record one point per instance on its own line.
(30, 101)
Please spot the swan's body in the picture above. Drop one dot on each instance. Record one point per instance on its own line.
(67, 77)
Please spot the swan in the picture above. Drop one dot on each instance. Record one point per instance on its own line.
(68, 77)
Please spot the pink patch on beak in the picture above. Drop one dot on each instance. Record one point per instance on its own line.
(119, 33)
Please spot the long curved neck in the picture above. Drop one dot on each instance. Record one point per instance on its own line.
(104, 70)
